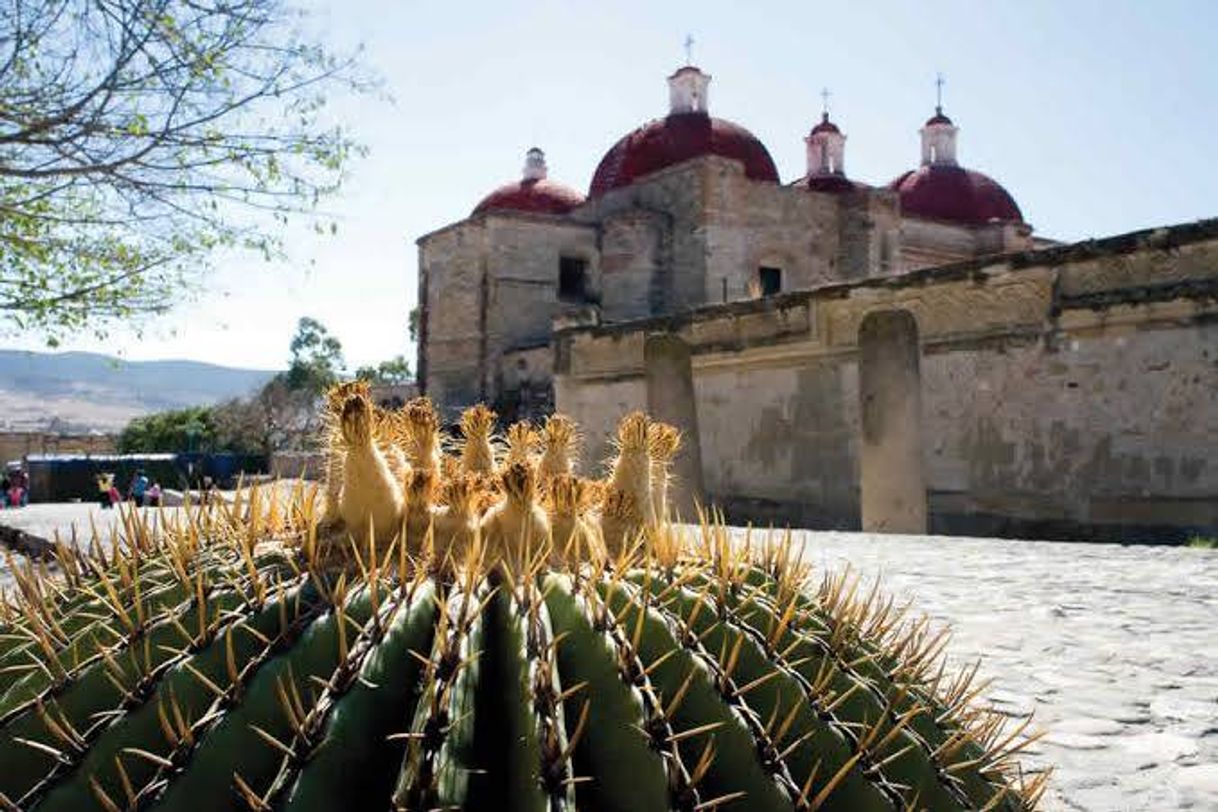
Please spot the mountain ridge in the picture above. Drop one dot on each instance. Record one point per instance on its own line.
(84, 391)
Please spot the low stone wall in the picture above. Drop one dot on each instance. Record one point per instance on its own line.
(298, 464)
(1065, 393)
(15, 445)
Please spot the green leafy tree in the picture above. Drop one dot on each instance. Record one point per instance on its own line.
(317, 358)
(138, 137)
(394, 371)
(179, 430)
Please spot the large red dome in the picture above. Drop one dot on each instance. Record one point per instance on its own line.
(540, 195)
(955, 194)
(680, 137)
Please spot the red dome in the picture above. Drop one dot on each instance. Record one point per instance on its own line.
(679, 137)
(952, 193)
(825, 126)
(542, 196)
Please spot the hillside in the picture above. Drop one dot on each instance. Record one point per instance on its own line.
(82, 391)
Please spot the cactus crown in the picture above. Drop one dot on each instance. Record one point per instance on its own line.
(258, 655)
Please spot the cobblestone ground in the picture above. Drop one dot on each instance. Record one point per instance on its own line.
(1114, 649)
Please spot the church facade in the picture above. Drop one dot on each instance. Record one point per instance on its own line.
(838, 354)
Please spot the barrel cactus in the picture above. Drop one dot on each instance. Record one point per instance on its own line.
(545, 642)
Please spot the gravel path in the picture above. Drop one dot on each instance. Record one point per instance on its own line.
(1114, 649)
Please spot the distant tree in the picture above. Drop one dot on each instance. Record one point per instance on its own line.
(137, 137)
(394, 371)
(281, 416)
(176, 431)
(415, 318)
(317, 358)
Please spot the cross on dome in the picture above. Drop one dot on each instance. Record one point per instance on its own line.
(689, 49)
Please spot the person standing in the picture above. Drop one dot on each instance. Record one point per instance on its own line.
(153, 496)
(18, 489)
(139, 487)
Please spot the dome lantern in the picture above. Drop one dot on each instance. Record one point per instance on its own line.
(826, 146)
(535, 164)
(939, 134)
(687, 91)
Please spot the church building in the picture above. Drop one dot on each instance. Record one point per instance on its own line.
(545, 296)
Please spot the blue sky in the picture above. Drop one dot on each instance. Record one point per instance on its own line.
(1099, 117)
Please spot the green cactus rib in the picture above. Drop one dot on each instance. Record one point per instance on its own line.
(356, 736)
(131, 747)
(441, 766)
(960, 759)
(241, 743)
(614, 738)
(653, 683)
(704, 725)
(102, 688)
(53, 640)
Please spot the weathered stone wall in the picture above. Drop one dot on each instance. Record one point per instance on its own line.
(491, 287)
(1067, 392)
(15, 445)
(927, 243)
(452, 273)
(748, 225)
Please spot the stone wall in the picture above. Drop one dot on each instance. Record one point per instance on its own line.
(1068, 392)
(15, 445)
(491, 286)
(927, 243)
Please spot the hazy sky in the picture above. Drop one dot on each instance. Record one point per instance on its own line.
(1099, 117)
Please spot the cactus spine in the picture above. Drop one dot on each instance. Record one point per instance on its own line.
(281, 654)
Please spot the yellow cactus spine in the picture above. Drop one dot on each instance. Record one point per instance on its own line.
(370, 501)
(477, 449)
(516, 524)
(559, 439)
(419, 433)
(663, 442)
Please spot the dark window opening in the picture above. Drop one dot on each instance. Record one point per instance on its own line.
(770, 280)
(572, 279)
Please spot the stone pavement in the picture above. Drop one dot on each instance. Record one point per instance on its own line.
(1113, 648)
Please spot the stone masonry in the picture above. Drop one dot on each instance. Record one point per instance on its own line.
(1067, 392)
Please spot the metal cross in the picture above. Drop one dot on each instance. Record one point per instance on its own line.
(689, 49)
(939, 82)
(824, 95)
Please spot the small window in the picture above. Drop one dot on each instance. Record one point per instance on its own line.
(572, 279)
(770, 280)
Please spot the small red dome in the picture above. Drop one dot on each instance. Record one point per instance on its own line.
(938, 118)
(825, 126)
(679, 137)
(541, 196)
(955, 194)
